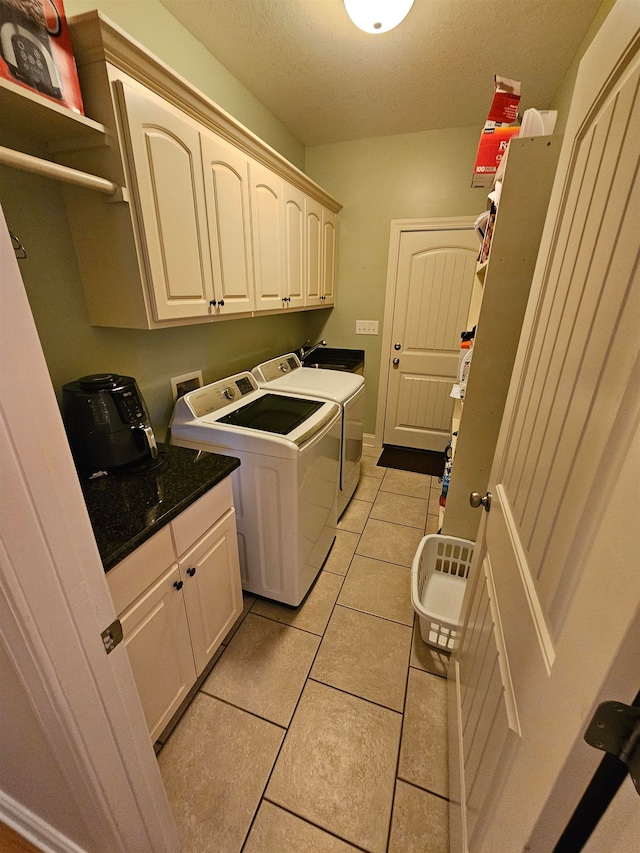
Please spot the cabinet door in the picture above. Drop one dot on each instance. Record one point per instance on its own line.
(267, 231)
(168, 192)
(294, 246)
(212, 588)
(156, 636)
(313, 220)
(226, 177)
(328, 257)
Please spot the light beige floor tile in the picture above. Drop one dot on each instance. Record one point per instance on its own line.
(314, 612)
(214, 767)
(393, 543)
(277, 831)
(343, 550)
(433, 524)
(247, 604)
(400, 509)
(366, 656)
(423, 751)
(355, 516)
(337, 766)
(426, 657)
(406, 483)
(420, 822)
(367, 489)
(434, 505)
(369, 467)
(263, 669)
(382, 589)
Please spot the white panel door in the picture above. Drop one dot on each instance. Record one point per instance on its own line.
(556, 584)
(168, 190)
(226, 176)
(433, 291)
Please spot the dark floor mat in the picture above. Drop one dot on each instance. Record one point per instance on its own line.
(406, 459)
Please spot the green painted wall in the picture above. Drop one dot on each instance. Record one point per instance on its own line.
(408, 176)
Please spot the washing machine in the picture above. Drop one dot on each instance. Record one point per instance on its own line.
(286, 374)
(286, 488)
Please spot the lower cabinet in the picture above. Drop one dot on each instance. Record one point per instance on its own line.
(176, 597)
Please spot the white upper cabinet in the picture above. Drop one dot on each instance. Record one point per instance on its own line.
(267, 229)
(294, 247)
(168, 187)
(226, 177)
(211, 223)
(321, 239)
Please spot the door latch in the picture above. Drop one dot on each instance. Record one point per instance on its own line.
(111, 636)
(615, 728)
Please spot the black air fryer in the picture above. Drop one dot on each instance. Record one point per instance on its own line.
(107, 422)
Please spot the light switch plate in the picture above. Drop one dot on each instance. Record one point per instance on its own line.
(366, 327)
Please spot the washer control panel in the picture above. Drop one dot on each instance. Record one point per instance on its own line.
(216, 396)
(283, 364)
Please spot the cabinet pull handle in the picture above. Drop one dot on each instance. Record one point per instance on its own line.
(178, 585)
(191, 572)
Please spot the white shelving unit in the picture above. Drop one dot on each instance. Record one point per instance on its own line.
(498, 302)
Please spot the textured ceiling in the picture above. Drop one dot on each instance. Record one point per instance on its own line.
(328, 82)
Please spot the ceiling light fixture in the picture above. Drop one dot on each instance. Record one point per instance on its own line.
(377, 16)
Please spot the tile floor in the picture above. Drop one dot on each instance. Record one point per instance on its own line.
(322, 729)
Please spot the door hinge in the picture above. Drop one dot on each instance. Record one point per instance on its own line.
(615, 728)
(112, 635)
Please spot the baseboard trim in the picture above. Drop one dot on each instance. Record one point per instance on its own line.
(32, 827)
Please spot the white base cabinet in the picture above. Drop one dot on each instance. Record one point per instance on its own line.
(177, 596)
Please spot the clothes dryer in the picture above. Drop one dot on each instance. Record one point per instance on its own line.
(286, 374)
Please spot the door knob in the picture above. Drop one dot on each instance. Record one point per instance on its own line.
(397, 346)
(396, 362)
(476, 500)
(178, 585)
(191, 572)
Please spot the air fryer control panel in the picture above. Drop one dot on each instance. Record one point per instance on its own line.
(130, 406)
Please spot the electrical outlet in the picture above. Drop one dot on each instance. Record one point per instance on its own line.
(366, 327)
(187, 382)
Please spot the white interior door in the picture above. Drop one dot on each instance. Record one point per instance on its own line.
(556, 587)
(432, 294)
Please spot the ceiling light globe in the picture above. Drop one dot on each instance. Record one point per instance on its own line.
(377, 16)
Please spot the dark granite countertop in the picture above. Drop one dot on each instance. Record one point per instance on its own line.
(126, 509)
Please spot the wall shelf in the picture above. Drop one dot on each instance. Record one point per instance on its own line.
(46, 121)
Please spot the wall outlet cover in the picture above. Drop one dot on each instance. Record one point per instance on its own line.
(180, 385)
(366, 327)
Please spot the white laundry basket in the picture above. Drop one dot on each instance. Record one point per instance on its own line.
(438, 579)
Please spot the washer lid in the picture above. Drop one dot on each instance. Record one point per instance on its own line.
(273, 413)
(286, 375)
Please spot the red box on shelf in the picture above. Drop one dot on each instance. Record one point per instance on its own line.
(36, 52)
(491, 150)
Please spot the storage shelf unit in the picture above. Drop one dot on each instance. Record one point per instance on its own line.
(498, 303)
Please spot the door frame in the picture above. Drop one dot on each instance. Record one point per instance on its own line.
(398, 226)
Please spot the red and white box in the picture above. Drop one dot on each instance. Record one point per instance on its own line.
(497, 131)
(36, 52)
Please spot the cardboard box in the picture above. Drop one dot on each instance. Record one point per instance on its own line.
(491, 149)
(35, 50)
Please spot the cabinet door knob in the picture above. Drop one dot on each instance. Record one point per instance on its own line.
(476, 500)
(396, 362)
(212, 302)
(397, 346)
(191, 572)
(221, 303)
(178, 585)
